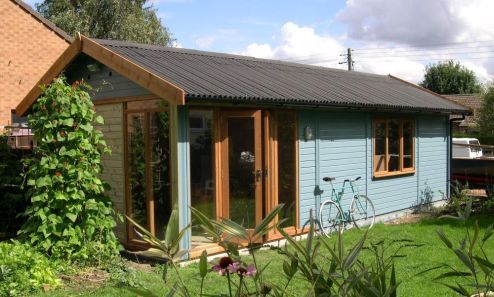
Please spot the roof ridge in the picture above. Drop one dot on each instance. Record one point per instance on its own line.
(50, 25)
(187, 51)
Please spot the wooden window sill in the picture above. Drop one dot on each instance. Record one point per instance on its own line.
(378, 175)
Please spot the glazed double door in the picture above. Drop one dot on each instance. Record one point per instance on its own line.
(257, 168)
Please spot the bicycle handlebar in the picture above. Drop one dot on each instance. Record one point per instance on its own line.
(329, 179)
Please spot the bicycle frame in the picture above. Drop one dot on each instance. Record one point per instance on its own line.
(337, 197)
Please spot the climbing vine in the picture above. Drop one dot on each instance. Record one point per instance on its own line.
(70, 217)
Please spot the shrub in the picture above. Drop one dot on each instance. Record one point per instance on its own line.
(13, 201)
(70, 217)
(476, 277)
(24, 270)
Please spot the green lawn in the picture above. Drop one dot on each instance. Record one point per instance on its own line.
(417, 260)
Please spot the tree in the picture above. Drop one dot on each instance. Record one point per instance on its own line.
(486, 116)
(70, 216)
(128, 20)
(450, 78)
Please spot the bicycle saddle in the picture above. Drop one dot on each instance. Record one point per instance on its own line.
(328, 178)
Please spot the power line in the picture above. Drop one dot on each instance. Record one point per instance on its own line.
(392, 51)
(411, 49)
(424, 45)
(432, 54)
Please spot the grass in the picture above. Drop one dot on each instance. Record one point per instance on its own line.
(417, 260)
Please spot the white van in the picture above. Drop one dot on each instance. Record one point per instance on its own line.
(466, 148)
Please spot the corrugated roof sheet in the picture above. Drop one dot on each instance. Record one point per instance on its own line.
(214, 76)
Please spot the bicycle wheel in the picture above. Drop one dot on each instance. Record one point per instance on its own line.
(330, 217)
(362, 212)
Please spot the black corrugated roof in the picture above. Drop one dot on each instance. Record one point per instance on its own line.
(224, 77)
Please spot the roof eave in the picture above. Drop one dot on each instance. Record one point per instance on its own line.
(192, 99)
(153, 83)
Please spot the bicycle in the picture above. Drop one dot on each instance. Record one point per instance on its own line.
(361, 211)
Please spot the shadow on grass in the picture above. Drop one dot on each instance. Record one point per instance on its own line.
(141, 292)
(484, 220)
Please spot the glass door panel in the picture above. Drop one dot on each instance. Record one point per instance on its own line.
(148, 171)
(241, 170)
(137, 169)
(287, 181)
(159, 171)
(202, 170)
(242, 174)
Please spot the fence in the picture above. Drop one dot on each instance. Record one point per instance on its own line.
(20, 138)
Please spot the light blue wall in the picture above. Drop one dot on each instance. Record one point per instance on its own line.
(342, 148)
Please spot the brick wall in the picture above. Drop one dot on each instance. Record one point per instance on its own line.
(27, 49)
(113, 165)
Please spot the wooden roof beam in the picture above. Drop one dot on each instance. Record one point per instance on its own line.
(148, 80)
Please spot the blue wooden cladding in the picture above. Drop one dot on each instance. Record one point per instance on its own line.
(342, 148)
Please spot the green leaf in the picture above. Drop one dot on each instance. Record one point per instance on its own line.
(354, 253)
(203, 264)
(71, 216)
(264, 227)
(458, 289)
(172, 228)
(488, 233)
(43, 181)
(452, 274)
(99, 119)
(444, 238)
(464, 258)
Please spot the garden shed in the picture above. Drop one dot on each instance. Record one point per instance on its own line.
(234, 136)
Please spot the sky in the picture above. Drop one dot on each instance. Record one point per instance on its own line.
(398, 37)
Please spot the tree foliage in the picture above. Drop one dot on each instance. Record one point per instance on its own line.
(486, 116)
(130, 20)
(450, 78)
(70, 217)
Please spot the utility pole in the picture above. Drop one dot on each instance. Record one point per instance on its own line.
(349, 60)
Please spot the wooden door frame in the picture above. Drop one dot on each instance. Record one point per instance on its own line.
(271, 163)
(221, 160)
(131, 241)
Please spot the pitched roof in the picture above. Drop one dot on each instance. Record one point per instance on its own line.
(214, 76)
(472, 101)
(183, 75)
(46, 22)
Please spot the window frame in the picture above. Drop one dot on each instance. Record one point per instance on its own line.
(146, 110)
(401, 169)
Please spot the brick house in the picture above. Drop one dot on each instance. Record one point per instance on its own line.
(470, 123)
(29, 45)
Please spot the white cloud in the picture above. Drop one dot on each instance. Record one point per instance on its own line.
(221, 34)
(400, 67)
(298, 43)
(418, 21)
(205, 42)
(303, 44)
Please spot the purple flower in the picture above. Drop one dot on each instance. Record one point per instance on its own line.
(222, 265)
(240, 269)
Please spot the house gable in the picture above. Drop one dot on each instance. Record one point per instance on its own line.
(30, 44)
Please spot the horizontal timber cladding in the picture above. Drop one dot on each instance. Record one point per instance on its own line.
(108, 84)
(113, 164)
(342, 147)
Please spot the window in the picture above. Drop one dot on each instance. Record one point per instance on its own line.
(148, 166)
(393, 147)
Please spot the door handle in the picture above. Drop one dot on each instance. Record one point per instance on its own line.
(258, 174)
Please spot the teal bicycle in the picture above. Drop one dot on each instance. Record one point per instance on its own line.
(361, 212)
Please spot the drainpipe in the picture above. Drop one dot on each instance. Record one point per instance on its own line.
(450, 149)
